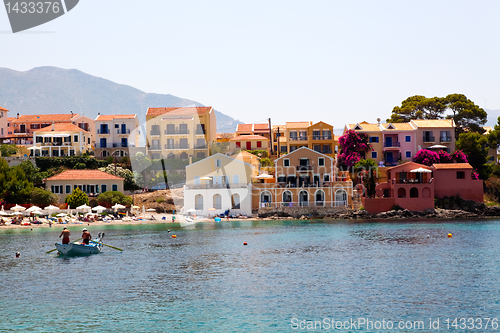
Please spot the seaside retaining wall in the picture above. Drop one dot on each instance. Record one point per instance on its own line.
(299, 211)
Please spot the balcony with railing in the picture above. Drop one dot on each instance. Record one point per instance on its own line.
(200, 132)
(154, 132)
(392, 144)
(20, 132)
(203, 146)
(299, 138)
(445, 139)
(176, 146)
(304, 168)
(342, 203)
(123, 132)
(178, 131)
(102, 131)
(152, 147)
(427, 138)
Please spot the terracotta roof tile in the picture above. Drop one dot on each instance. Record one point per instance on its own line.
(45, 118)
(3, 109)
(261, 127)
(399, 127)
(244, 127)
(106, 117)
(366, 127)
(443, 166)
(190, 110)
(83, 174)
(248, 137)
(298, 124)
(434, 123)
(61, 127)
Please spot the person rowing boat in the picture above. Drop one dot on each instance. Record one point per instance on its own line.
(86, 236)
(65, 235)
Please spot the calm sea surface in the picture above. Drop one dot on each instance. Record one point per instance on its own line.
(292, 274)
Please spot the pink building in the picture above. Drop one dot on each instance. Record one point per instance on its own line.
(435, 134)
(455, 179)
(414, 186)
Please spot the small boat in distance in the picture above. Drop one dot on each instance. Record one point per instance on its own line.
(80, 249)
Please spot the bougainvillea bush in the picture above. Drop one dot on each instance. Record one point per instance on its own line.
(352, 146)
(426, 157)
(459, 156)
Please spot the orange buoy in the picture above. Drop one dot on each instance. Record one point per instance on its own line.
(245, 243)
(450, 235)
(174, 236)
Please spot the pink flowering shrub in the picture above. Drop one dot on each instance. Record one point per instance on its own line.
(444, 157)
(475, 174)
(352, 145)
(426, 157)
(459, 156)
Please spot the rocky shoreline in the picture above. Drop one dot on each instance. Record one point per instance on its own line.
(468, 211)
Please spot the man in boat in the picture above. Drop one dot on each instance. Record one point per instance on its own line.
(65, 235)
(86, 236)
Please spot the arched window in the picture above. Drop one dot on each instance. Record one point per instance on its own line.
(303, 198)
(183, 156)
(235, 201)
(413, 192)
(340, 198)
(104, 153)
(426, 192)
(401, 193)
(287, 198)
(198, 202)
(266, 199)
(217, 201)
(320, 198)
(171, 156)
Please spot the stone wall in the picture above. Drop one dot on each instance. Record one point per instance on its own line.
(297, 212)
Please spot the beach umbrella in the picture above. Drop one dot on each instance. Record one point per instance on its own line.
(83, 207)
(192, 210)
(17, 213)
(151, 210)
(211, 209)
(3, 213)
(420, 170)
(17, 208)
(61, 215)
(99, 208)
(118, 206)
(33, 209)
(135, 207)
(264, 176)
(51, 207)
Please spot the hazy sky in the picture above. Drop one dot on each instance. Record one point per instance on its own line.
(336, 61)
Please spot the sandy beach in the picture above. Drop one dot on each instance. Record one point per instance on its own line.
(158, 219)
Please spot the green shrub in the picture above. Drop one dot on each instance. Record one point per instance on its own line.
(160, 200)
(110, 198)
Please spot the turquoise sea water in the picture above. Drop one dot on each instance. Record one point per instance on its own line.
(291, 274)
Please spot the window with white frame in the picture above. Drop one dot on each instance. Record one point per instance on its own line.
(286, 162)
(321, 161)
(408, 138)
(374, 154)
(326, 177)
(408, 154)
(218, 163)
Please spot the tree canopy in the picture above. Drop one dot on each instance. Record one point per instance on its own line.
(14, 186)
(467, 115)
(475, 146)
(77, 198)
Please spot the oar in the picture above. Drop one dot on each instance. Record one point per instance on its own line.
(56, 249)
(113, 247)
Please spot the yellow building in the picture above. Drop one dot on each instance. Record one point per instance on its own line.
(180, 133)
(92, 182)
(62, 139)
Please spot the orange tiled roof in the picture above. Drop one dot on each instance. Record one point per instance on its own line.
(47, 118)
(248, 137)
(298, 124)
(261, 127)
(3, 109)
(244, 127)
(10, 119)
(61, 127)
(442, 166)
(398, 127)
(83, 174)
(434, 123)
(190, 110)
(281, 127)
(366, 127)
(103, 117)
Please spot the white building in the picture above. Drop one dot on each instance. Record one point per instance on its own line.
(216, 184)
(115, 134)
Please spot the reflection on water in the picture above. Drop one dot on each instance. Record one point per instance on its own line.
(206, 280)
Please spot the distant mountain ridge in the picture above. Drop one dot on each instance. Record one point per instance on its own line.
(57, 90)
